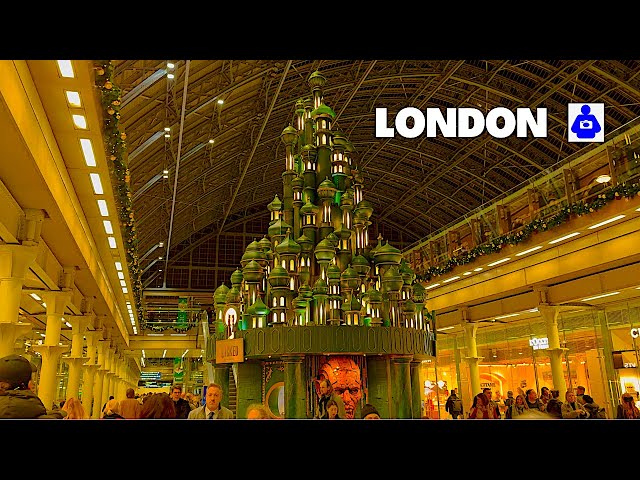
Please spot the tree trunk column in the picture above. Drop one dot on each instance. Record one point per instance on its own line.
(401, 384)
(416, 389)
(295, 392)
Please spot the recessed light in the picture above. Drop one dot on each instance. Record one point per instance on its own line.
(97, 184)
(102, 205)
(432, 286)
(617, 217)
(118, 265)
(108, 228)
(603, 178)
(529, 251)
(498, 262)
(87, 152)
(564, 238)
(79, 121)
(73, 98)
(112, 242)
(66, 68)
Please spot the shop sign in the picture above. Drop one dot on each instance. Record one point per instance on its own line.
(229, 351)
(539, 343)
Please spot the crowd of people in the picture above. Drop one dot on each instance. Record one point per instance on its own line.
(18, 400)
(547, 405)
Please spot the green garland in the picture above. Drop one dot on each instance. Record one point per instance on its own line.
(116, 149)
(563, 215)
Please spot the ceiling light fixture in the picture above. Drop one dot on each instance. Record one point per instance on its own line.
(604, 178)
(66, 68)
(102, 205)
(97, 183)
(87, 152)
(170, 76)
(450, 279)
(79, 121)
(600, 296)
(432, 286)
(498, 262)
(529, 251)
(564, 238)
(73, 98)
(617, 217)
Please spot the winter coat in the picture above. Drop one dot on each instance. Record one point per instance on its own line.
(569, 412)
(24, 404)
(182, 408)
(130, 408)
(554, 408)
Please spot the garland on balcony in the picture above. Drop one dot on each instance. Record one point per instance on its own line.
(116, 150)
(563, 215)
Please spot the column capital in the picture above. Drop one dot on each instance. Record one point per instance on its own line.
(56, 301)
(15, 260)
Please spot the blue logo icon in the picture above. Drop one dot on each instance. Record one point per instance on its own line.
(586, 122)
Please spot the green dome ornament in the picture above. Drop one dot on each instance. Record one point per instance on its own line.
(278, 277)
(220, 294)
(237, 277)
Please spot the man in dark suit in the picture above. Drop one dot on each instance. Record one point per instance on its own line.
(212, 408)
(182, 406)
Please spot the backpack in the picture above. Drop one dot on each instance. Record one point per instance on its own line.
(508, 412)
(456, 406)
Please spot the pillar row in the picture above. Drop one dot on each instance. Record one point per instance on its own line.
(472, 358)
(75, 360)
(555, 351)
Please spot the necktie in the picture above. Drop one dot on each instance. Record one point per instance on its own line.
(210, 415)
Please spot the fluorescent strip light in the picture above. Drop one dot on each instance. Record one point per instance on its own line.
(164, 354)
(121, 277)
(529, 251)
(155, 334)
(178, 334)
(135, 331)
(533, 310)
(108, 228)
(44, 304)
(637, 209)
(79, 121)
(118, 266)
(564, 238)
(477, 269)
(66, 69)
(35, 296)
(112, 242)
(499, 262)
(123, 283)
(68, 324)
(600, 296)
(507, 316)
(185, 352)
(102, 205)
(450, 279)
(444, 328)
(143, 354)
(73, 98)
(617, 217)
(87, 151)
(125, 290)
(97, 183)
(467, 273)
(432, 286)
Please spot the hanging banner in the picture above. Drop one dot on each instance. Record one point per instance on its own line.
(182, 319)
(178, 372)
